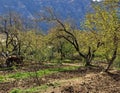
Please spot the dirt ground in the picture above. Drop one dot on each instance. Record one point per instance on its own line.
(90, 83)
(83, 80)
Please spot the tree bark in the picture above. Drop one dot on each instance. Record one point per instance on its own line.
(112, 60)
(115, 41)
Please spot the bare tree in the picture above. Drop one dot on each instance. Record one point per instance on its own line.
(11, 25)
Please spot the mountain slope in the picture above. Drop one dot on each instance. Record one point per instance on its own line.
(75, 9)
(72, 8)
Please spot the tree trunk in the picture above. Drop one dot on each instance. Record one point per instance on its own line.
(87, 62)
(109, 65)
(115, 41)
(89, 57)
(112, 60)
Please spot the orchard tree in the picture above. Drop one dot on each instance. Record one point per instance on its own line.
(10, 26)
(104, 22)
(68, 33)
(32, 45)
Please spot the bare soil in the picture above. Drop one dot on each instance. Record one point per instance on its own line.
(83, 80)
(94, 83)
(91, 82)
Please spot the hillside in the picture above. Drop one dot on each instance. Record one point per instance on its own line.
(73, 9)
(27, 8)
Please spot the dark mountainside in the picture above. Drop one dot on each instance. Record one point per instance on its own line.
(74, 9)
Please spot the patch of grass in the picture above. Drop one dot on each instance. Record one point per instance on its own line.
(67, 61)
(16, 91)
(19, 75)
(64, 68)
(24, 75)
(39, 89)
(2, 78)
(40, 73)
(31, 90)
(7, 68)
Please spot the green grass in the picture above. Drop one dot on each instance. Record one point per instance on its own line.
(38, 89)
(30, 90)
(2, 78)
(40, 73)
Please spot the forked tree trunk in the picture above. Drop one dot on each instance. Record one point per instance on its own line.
(89, 59)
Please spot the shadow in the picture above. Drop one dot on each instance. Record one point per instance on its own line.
(6, 69)
(114, 75)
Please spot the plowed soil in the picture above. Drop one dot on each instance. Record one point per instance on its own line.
(83, 80)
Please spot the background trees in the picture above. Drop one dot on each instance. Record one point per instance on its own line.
(99, 36)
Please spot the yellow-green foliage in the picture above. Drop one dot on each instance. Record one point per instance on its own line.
(104, 22)
(32, 44)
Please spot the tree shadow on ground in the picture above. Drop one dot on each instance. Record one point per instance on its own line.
(115, 75)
